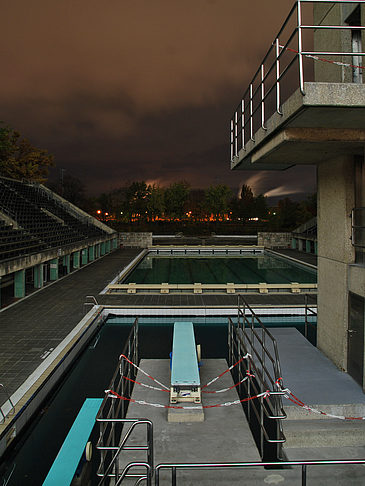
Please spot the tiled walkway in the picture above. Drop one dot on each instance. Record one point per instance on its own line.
(39, 323)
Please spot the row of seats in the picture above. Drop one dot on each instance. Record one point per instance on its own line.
(44, 222)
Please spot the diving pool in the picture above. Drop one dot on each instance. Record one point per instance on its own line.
(214, 269)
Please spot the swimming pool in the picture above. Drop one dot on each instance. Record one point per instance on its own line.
(215, 269)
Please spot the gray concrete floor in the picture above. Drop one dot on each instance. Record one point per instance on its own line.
(40, 322)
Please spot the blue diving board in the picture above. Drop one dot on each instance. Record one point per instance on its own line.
(64, 466)
(184, 368)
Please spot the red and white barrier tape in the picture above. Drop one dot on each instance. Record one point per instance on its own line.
(145, 385)
(113, 394)
(246, 356)
(249, 375)
(316, 58)
(142, 371)
(292, 398)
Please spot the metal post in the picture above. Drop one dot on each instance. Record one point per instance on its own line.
(306, 316)
(263, 97)
(236, 133)
(304, 475)
(300, 48)
(232, 140)
(173, 472)
(278, 100)
(243, 122)
(251, 114)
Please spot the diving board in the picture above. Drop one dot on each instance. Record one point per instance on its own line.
(185, 379)
(64, 466)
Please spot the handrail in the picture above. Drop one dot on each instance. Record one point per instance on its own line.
(263, 362)
(114, 463)
(112, 413)
(243, 465)
(308, 311)
(254, 108)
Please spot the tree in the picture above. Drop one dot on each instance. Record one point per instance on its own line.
(156, 201)
(137, 198)
(19, 159)
(217, 200)
(176, 196)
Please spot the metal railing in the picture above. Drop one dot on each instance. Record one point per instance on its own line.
(8, 399)
(263, 96)
(358, 227)
(174, 467)
(309, 312)
(250, 336)
(113, 438)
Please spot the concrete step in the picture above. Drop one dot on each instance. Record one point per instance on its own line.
(324, 433)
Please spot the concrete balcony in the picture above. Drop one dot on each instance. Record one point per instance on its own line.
(329, 114)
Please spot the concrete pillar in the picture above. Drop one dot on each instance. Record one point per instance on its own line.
(294, 243)
(107, 246)
(335, 252)
(84, 256)
(19, 284)
(102, 248)
(115, 243)
(66, 263)
(91, 253)
(38, 276)
(76, 259)
(307, 246)
(300, 244)
(53, 269)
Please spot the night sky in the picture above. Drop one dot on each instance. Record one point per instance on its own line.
(124, 90)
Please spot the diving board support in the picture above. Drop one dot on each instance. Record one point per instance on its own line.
(65, 465)
(185, 379)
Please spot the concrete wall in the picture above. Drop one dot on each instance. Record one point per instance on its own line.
(335, 253)
(274, 240)
(334, 40)
(136, 240)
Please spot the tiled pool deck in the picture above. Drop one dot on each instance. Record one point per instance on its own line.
(37, 324)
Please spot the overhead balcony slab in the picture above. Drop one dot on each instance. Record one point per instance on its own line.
(328, 120)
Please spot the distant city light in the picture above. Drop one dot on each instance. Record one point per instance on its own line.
(98, 211)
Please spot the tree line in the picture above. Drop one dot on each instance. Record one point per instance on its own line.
(138, 203)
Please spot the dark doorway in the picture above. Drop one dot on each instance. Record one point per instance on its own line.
(355, 357)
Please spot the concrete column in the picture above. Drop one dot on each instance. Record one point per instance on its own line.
(300, 244)
(19, 284)
(84, 256)
(38, 276)
(336, 198)
(91, 253)
(294, 243)
(102, 248)
(107, 246)
(66, 263)
(76, 259)
(115, 243)
(307, 246)
(53, 269)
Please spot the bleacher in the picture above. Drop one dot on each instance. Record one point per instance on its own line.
(44, 222)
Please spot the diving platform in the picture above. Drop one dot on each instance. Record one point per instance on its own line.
(185, 379)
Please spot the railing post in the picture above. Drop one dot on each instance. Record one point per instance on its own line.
(251, 113)
(304, 475)
(173, 473)
(306, 316)
(243, 123)
(232, 140)
(300, 48)
(236, 133)
(263, 97)
(278, 96)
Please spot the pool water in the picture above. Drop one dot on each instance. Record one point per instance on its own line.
(36, 449)
(156, 269)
